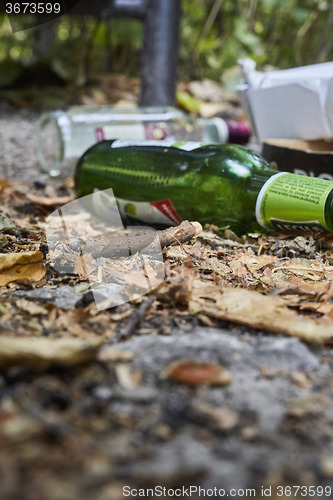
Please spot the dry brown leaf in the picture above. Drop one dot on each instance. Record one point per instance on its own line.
(28, 266)
(4, 183)
(322, 288)
(178, 286)
(256, 262)
(221, 418)
(74, 322)
(249, 262)
(110, 353)
(318, 307)
(46, 352)
(126, 377)
(306, 268)
(257, 310)
(210, 109)
(215, 265)
(31, 307)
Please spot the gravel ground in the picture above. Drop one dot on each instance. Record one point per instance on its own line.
(18, 160)
(271, 427)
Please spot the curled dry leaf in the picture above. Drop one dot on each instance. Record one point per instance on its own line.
(27, 266)
(193, 373)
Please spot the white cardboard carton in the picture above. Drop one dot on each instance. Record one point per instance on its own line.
(294, 103)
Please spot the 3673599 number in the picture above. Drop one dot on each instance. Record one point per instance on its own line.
(304, 491)
(32, 8)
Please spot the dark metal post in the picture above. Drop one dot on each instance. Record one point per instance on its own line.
(161, 20)
(160, 53)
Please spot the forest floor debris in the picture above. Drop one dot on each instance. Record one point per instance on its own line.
(88, 429)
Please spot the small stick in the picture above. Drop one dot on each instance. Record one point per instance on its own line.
(135, 319)
(125, 243)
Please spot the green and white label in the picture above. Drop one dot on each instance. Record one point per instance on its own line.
(293, 202)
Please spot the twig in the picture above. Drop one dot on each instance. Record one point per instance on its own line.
(125, 243)
(210, 19)
(134, 319)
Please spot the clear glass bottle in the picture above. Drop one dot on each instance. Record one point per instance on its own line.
(65, 135)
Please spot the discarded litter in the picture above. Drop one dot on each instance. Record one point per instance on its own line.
(64, 135)
(120, 264)
(313, 158)
(165, 182)
(295, 103)
(102, 252)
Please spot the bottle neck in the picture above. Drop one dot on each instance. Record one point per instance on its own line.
(258, 179)
(225, 131)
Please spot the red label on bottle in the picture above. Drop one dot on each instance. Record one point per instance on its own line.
(140, 131)
(167, 209)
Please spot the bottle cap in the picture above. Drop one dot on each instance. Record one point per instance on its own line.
(223, 131)
(239, 132)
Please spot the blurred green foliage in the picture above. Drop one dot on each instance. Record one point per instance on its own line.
(214, 35)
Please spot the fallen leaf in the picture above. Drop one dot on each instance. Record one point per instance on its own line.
(215, 265)
(28, 266)
(127, 378)
(46, 352)
(211, 91)
(191, 372)
(258, 311)
(4, 183)
(306, 268)
(246, 263)
(112, 354)
(6, 223)
(221, 418)
(210, 109)
(31, 307)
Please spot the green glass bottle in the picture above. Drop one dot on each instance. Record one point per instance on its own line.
(162, 183)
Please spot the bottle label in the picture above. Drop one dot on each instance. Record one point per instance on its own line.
(187, 146)
(155, 131)
(156, 212)
(293, 202)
